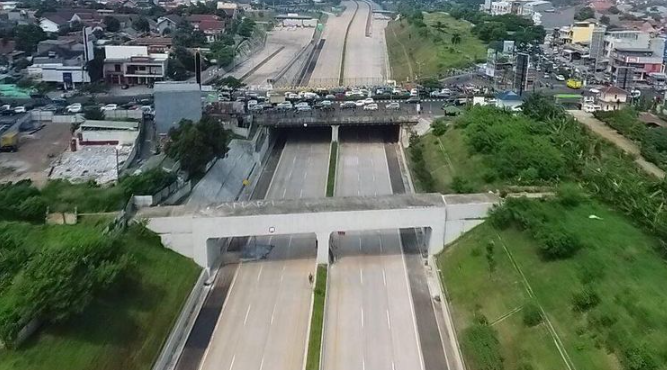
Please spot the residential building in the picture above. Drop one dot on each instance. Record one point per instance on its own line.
(63, 62)
(168, 22)
(52, 22)
(643, 62)
(231, 9)
(133, 65)
(501, 7)
(578, 33)
(211, 25)
(612, 98)
(625, 39)
(175, 101)
(154, 44)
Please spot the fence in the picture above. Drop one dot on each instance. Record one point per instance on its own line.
(47, 116)
(124, 114)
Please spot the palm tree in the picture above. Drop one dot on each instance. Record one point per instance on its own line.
(456, 38)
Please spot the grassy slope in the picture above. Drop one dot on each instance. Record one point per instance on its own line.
(434, 56)
(632, 275)
(125, 328)
(317, 321)
(447, 156)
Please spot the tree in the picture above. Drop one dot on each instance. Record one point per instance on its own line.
(93, 113)
(194, 145)
(231, 82)
(605, 20)
(224, 56)
(456, 38)
(113, 24)
(247, 27)
(584, 13)
(28, 36)
(613, 10)
(141, 25)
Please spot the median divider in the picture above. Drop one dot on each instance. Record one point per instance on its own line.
(317, 320)
(341, 75)
(333, 162)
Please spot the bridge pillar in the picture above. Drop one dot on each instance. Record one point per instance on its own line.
(323, 247)
(334, 133)
(436, 240)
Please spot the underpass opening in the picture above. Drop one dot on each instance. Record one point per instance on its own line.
(361, 134)
(263, 248)
(375, 243)
(307, 133)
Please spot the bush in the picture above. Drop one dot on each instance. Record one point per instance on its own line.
(439, 127)
(585, 299)
(638, 358)
(500, 217)
(147, 183)
(461, 185)
(531, 314)
(556, 242)
(570, 195)
(482, 348)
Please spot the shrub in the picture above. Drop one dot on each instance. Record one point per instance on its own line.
(482, 348)
(638, 358)
(500, 217)
(570, 195)
(556, 242)
(531, 314)
(461, 185)
(439, 127)
(585, 299)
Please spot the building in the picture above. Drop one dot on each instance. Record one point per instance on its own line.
(596, 49)
(554, 18)
(579, 33)
(133, 65)
(92, 132)
(63, 61)
(168, 23)
(154, 44)
(52, 22)
(175, 101)
(530, 8)
(625, 39)
(231, 9)
(211, 25)
(508, 100)
(612, 98)
(501, 7)
(642, 61)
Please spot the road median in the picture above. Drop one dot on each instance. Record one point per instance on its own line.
(333, 162)
(317, 320)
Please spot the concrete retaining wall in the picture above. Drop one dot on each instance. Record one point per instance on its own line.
(123, 114)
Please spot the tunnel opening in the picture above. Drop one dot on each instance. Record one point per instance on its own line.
(379, 133)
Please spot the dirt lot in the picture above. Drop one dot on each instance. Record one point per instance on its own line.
(35, 154)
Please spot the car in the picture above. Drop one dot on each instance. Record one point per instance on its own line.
(330, 97)
(560, 78)
(371, 107)
(74, 108)
(369, 101)
(109, 107)
(414, 92)
(393, 106)
(252, 103)
(360, 103)
(301, 105)
(304, 108)
(69, 94)
(284, 106)
(348, 105)
(256, 108)
(292, 96)
(413, 100)
(19, 109)
(324, 104)
(546, 76)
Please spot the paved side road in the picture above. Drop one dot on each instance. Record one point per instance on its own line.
(617, 139)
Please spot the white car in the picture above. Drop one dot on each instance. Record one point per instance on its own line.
(369, 101)
(74, 108)
(251, 103)
(393, 106)
(19, 109)
(560, 78)
(256, 108)
(109, 107)
(304, 108)
(590, 108)
(284, 106)
(360, 103)
(371, 107)
(301, 105)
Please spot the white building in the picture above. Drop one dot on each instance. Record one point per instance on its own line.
(133, 65)
(501, 7)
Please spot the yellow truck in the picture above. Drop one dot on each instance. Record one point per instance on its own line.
(9, 141)
(574, 84)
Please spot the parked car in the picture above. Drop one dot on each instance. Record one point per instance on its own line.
(74, 108)
(560, 78)
(109, 107)
(348, 105)
(413, 100)
(360, 103)
(304, 108)
(19, 109)
(284, 106)
(393, 106)
(369, 101)
(301, 105)
(371, 107)
(256, 108)
(324, 104)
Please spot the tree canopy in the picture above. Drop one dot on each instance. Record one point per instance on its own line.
(196, 144)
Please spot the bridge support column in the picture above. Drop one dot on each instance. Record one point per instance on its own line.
(334, 133)
(323, 248)
(436, 240)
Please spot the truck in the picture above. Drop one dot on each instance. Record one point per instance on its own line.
(574, 84)
(9, 141)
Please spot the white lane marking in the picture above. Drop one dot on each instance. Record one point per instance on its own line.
(246, 314)
(273, 312)
(260, 272)
(388, 321)
(362, 317)
(282, 273)
(231, 366)
(384, 277)
(301, 193)
(261, 364)
(361, 275)
(363, 364)
(393, 367)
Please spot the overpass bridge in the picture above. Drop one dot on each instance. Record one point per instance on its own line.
(192, 231)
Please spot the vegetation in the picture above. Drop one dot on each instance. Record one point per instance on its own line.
(317, 319)
(333, 161)
(652, 140)
(481, 346)
(124, 326)
(28, 36)
(427, 47)
(93, 113)
(500, 27)
(196, 144)
(600, 301)
(584, 13)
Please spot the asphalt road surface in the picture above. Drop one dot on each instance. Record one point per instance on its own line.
(366, 53)
(327, 69)
(264, 324)
(369, 322)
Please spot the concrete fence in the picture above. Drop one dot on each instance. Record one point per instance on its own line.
(47, 116)
(124, 114)
(169, 195)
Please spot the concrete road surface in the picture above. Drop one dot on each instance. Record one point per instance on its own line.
(327, 69)
(366, 55)
(264, 324)
(369, 322)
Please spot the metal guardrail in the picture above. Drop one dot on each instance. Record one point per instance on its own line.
(323, 120)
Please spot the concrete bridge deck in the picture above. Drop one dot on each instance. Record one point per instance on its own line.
(325, 120)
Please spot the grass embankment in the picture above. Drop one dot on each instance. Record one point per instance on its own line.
(429, 51)
(122, 329)
(341, 75)
(317, 320)
(618, 261)
(333, 161)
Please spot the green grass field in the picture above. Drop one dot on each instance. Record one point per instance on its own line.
(317, 320)
(619, 261)
(125, 328)
(415, 54)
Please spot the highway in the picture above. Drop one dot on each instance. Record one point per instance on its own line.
(366, 53)
(370, 321)
(264, 323)
(327, 69)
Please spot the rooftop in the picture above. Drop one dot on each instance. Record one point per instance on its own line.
(613, 90)
(173, 86)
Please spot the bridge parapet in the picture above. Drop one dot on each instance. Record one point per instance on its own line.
(285, 120)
